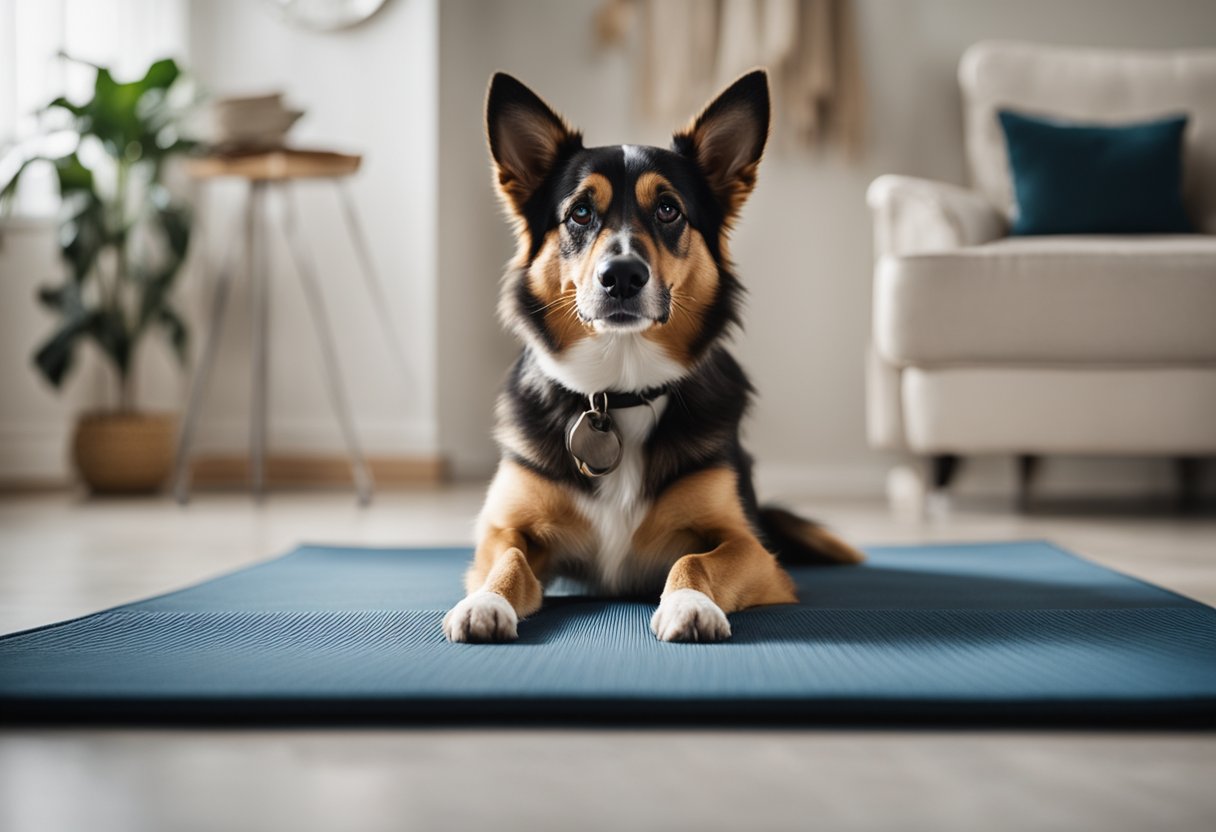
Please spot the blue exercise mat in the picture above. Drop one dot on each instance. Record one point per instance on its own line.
(999, 633)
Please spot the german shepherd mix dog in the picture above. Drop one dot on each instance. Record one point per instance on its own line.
(619, 424)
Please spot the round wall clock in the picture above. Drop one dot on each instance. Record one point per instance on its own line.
(325, 15)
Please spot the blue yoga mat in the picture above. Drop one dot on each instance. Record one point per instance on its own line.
(1009, 632)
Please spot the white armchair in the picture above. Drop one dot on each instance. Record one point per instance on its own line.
(989, 344)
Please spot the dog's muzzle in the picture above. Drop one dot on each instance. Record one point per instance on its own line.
(623, 296)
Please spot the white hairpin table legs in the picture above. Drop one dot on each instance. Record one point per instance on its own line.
(259, 292)
(256, 266)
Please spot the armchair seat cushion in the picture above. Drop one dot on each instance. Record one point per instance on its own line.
(1052, 300)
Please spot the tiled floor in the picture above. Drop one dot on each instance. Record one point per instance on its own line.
(62, 556)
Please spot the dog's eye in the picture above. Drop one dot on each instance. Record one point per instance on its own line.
(581, 215)
(667, 212)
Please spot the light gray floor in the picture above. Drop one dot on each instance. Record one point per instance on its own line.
(61, 556)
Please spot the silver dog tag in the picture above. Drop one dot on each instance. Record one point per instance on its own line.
(594, 443)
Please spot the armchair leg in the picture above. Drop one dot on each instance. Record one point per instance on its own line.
(943, 469)
(1028, 469)
(1188, 474)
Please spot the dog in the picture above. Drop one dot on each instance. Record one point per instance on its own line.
(619, 423)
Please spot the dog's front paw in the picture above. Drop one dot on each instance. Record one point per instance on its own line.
(482, 616)
(689, 615)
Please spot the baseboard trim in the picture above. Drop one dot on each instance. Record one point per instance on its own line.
(315, 471)
(23, 486)
(784, 481)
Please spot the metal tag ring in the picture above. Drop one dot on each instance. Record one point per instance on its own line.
(595, 444)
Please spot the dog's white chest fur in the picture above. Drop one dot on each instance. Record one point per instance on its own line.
(617, 508)
(611, 361)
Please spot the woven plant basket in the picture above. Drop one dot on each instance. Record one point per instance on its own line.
(124, 453)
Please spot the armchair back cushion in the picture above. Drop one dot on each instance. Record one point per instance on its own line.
(1091, 85)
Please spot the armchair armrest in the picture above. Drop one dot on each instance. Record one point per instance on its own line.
(916, 216)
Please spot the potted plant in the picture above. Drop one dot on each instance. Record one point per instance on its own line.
(123, 239)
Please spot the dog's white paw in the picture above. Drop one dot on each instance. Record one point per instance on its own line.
(689, 615)
(482, 616)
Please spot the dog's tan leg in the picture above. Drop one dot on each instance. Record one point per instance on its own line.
(701, 588)
(503, 564)
(734, 572)
(502, 587)
(525, 518)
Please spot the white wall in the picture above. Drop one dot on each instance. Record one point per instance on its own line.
(803, 247)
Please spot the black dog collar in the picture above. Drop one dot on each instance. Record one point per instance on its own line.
(610, 400)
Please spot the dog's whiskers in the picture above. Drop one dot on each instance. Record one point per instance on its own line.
(567, 298)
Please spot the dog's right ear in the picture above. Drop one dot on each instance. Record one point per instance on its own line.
(527, 138)
(727, 140)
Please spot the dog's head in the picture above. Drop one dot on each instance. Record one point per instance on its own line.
(623, 243)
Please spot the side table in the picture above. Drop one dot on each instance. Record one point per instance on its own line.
(267, 173)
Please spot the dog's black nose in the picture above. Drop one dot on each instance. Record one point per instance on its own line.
(623, 277)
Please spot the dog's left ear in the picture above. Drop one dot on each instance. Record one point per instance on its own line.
(527, 138)
(727, 139)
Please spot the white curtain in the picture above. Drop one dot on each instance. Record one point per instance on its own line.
(692, 48)
(124, 35)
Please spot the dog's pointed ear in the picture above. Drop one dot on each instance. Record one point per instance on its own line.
(527, 138)
(727, 139)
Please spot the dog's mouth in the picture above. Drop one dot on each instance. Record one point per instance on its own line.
(634, 314)
(622, 322)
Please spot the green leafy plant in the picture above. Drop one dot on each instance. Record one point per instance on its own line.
(122, 235)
